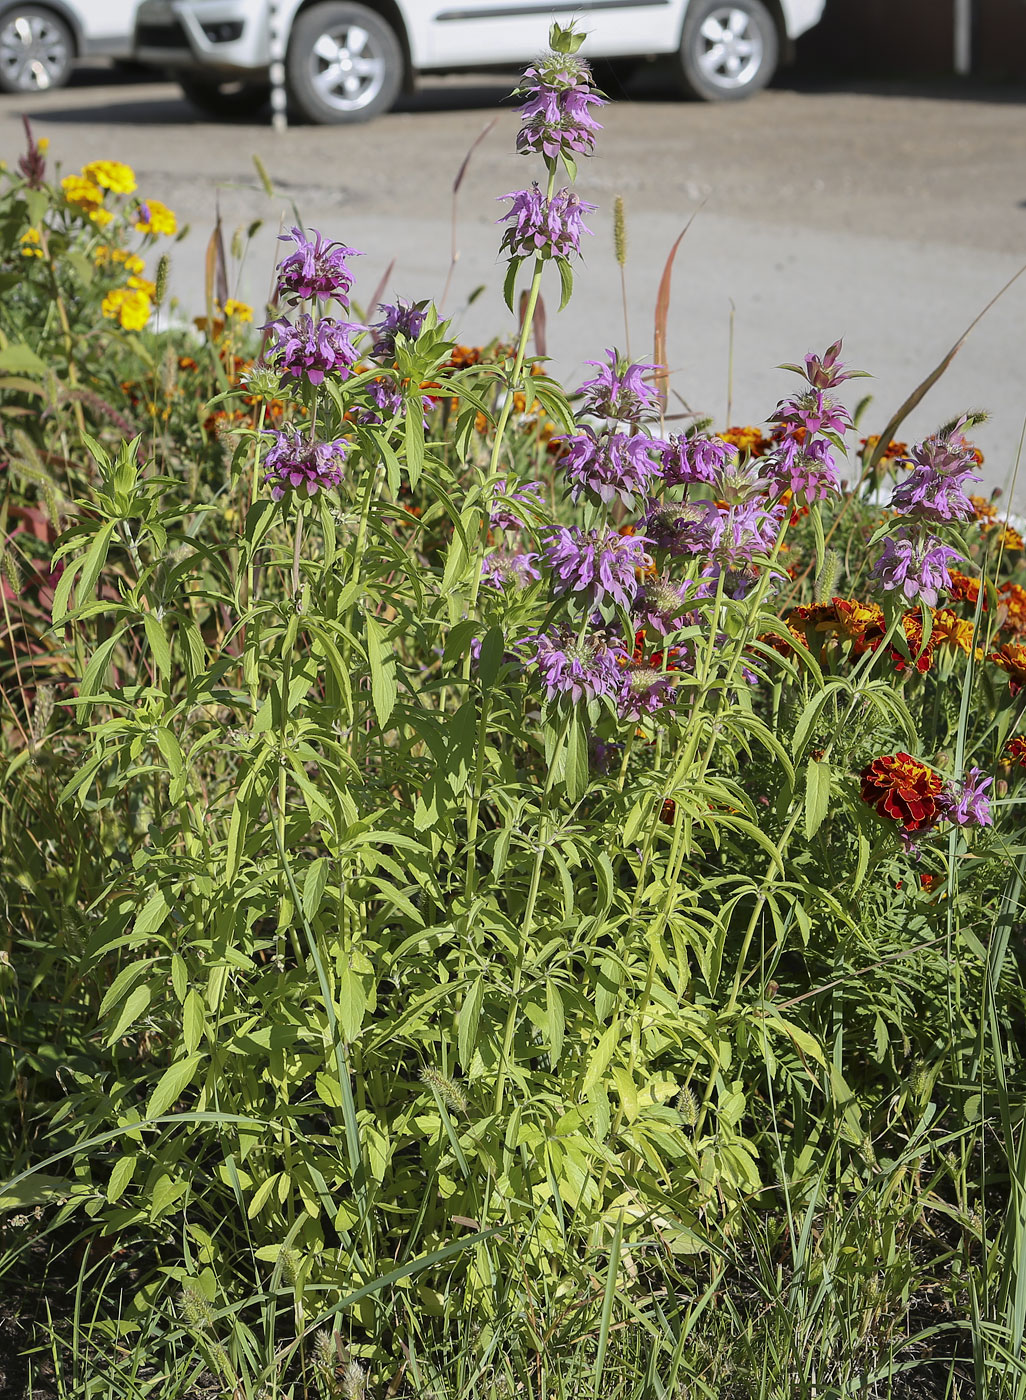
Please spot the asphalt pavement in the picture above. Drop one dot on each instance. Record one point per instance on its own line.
(887, 215)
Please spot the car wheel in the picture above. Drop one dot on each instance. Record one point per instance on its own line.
(225, 99)
(729, 49)
(344, 64)
(36, 50)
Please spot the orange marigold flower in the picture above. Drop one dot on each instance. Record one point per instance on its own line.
(1012, 660)
(818, 617)
(856, 619)
(927, 881)
(951, 630)
(983, 508)
(668, 811)
(747, 439)
(463, 356)
(1009, 538)
(1012, 608)
(922, 656)
(895, 450)
(902, 789)
(1015, 749)
(963, 589)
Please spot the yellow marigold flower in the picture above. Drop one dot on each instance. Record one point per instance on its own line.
(951, 630)
(128, 306)
(82, 191)
(144, 285)
(153, 217)
(111, 174)
(30, 244)
(746, 439)
(101, 217)
(43, 145)
(237, 310)
(1008, 538)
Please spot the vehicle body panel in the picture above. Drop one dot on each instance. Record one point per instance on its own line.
(439, 34)
(104, 28)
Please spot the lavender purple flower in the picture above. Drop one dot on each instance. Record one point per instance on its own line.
(544, 228)
(967, 803)
(503, 567)
(556, 117)
(580, 668)
(597, 564)
(742, 531)
(916, 565)
(812, 412)
(619, 390)
(934, 490)
(805, 468)
(690, 460)
(612, 465)
(527, 493)
(311, 349)
(297, 463)
(399, 318)
(681, 527)
(644, 690)
(315, 269)
(665, 605)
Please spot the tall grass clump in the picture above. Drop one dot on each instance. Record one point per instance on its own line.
(503, 897)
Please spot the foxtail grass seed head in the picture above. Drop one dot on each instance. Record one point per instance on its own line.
(195, 1308)
(265, 179)
(687, 1107)
(290, 1262)
(826, 579)
(448, 1090)
(619, 230)
(11, 572)
(42, 711)
(161, 281)
(52, 502)
(354, 1381)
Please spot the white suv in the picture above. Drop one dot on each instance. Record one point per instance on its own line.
(39, 42)
(346, 61)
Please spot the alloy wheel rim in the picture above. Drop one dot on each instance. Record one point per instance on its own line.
(346, 70)
(33, 53)
(730, 49)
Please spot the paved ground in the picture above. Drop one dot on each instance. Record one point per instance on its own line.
(889, 217)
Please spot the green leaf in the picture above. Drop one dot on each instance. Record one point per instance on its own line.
(470, 1016)
(121, 1175)
(566, 281)
(576, 759)
(21, 359)
(125, 979)
(313, 886)
(384, 687)
(193, 1020)
(556, 1019)
(817, 796)
(151, 915)
(352, 1002)
(159, 645)
(598, 1062)
(135, 1005)
(172, 1084)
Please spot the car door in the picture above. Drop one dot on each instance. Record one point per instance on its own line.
(108, 25)
(468, 33)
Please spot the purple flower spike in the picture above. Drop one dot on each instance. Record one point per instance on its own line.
(398, 318)
(310, 349)
(742, 531)
(315, 269)
(544, 228)
(690, 460)
(665, 605)
(806, 469)
(585, 668)
(527, 493)
(502, 567)
(643, 691)
(612, 465)
(295, 463)
(918, 567)
(556, 117)
(597, 564)
(681, 527)
(825, 373)
(619, 391)
(814, 411)
(967, 803)
(934, 490)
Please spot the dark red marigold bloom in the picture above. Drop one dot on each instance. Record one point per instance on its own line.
(898, 786)
(1015, 750)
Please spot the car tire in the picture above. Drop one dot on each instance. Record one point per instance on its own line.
(729, 49)
(37, 50)
(231, 100)
(344, 64)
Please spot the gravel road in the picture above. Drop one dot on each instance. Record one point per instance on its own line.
(889, 217)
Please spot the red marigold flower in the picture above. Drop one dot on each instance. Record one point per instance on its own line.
(668, 811)
(902, 788)
(1015, 749)
(1012, 659)
(1013, 607)
(963, 589)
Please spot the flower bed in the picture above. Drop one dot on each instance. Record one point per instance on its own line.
(490, 862)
